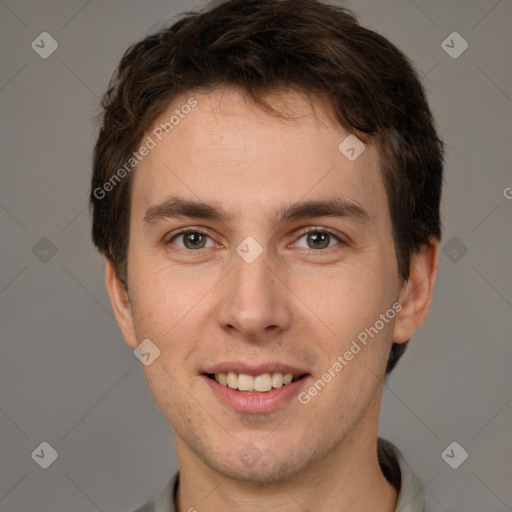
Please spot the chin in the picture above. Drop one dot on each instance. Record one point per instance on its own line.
(248, 465)
(261, 474)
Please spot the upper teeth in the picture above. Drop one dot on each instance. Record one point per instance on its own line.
(262, 383)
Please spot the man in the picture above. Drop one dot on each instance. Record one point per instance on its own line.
(266, 191)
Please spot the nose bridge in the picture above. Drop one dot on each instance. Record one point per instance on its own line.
(255, 278)
(254, 300)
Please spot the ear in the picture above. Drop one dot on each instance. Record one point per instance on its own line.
(416, 294)
(121, 304)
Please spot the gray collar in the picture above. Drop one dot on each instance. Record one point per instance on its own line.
(410, 496)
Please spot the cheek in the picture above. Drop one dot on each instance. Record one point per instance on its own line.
(160, 294)
(348, 299)
(169, 307)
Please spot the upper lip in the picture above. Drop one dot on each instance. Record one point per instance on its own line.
(254, 370)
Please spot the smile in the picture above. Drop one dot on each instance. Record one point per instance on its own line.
(262, 383)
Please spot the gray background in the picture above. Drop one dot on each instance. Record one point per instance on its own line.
(68, 378)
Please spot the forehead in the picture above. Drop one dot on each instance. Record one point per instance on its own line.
(226, 148)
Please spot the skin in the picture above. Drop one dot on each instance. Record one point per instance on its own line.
(295, 304)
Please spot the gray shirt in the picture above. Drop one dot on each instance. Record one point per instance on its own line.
(392, 463)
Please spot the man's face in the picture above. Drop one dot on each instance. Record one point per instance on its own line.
(321, 279)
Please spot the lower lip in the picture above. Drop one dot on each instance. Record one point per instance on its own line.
(256, 403)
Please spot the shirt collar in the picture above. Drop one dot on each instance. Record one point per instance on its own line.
(410, 496)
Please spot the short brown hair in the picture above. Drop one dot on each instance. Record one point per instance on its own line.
(261, 47)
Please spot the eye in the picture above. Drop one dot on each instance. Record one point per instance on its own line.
(192, 240)
(318, 239)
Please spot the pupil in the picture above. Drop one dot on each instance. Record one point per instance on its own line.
(322, 238)
(193, 239)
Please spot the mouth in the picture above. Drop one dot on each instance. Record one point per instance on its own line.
(255, 388)
(255, 384)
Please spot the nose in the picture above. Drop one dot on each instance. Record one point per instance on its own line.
(255, 301)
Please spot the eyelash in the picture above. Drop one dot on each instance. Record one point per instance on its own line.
(302, 233)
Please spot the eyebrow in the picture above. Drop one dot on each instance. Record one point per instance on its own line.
(174, 206)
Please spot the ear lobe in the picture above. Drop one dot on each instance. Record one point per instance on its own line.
(120, 304)
(416, 294)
